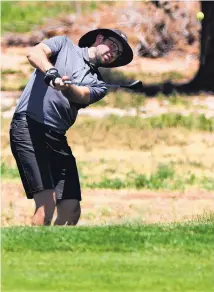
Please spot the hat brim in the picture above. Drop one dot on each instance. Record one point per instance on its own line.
(89, 38)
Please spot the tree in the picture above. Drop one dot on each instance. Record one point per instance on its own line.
(204, 79)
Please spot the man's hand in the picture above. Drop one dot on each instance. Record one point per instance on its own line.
(74, 93)
(59, 83)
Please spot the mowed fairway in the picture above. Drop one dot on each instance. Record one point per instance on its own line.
(170, 257)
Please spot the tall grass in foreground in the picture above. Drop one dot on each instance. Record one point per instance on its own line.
(191, 236)
(175, 257)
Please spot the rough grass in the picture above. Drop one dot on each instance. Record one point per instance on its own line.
(122, 98)
(118, 77)
(8, 172)
(124, 124)
(13, 80)
(165, 177)
(175, 257)
(24, 16)
(168, 152)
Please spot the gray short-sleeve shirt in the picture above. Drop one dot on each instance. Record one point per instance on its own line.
(51, 107)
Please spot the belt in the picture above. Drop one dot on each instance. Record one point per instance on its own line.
(20, 116)
(49, 129)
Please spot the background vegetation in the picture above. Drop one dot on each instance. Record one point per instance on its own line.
(164, 160)
(164, 144)
(24, 16)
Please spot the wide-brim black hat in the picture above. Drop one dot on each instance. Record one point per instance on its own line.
(127, 56)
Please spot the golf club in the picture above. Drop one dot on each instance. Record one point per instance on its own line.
(135, 86)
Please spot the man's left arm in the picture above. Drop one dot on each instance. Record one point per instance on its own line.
(83, 94)
(77, 94)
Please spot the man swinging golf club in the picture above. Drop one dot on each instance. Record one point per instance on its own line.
(48, 107)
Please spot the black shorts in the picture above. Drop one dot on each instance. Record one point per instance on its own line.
(44, 159)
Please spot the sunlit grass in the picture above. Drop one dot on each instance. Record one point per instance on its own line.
(110, 258)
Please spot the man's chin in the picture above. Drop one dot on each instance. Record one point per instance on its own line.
(100, 62)
(106, 62)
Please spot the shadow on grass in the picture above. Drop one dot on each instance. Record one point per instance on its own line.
(195, 86)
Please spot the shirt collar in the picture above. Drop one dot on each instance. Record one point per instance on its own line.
(86, 58)
(85, 54)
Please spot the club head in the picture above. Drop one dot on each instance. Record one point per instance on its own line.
(136, 86)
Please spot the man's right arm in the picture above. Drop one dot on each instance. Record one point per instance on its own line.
(38, 57)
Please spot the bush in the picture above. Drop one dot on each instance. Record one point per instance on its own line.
(7, 172)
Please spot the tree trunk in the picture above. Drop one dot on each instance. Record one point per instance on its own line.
(204, 79)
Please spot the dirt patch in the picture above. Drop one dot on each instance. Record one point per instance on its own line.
(117, 206)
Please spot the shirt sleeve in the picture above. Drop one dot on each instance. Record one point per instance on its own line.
(55, 43)
(97, 92)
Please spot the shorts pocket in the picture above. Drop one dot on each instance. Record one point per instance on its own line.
(20, 135)
(59, 148)
(58, 144)
(18, 124)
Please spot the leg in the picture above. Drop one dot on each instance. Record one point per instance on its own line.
(45, 206)
(27, 140)
(68, 212)
(66, 181)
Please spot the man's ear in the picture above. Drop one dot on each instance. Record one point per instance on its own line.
(98, 40)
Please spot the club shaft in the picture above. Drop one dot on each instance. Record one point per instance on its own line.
(83, 84)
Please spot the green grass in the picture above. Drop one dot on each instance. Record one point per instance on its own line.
(165, 178)
(9, 172)
(170, 120)
(10, 71)
(18, 81)
(24, 16)
(175, 257)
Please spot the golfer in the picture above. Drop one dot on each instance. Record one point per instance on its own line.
(48, 107)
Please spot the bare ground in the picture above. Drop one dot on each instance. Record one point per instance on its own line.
(114, 207)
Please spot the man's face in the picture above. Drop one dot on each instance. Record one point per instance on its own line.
(108, 50)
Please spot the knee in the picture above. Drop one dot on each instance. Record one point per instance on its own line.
(42, 216)
(38, 217)
(74, 217)
(45, 206)
(69, 218)
(68, 212)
